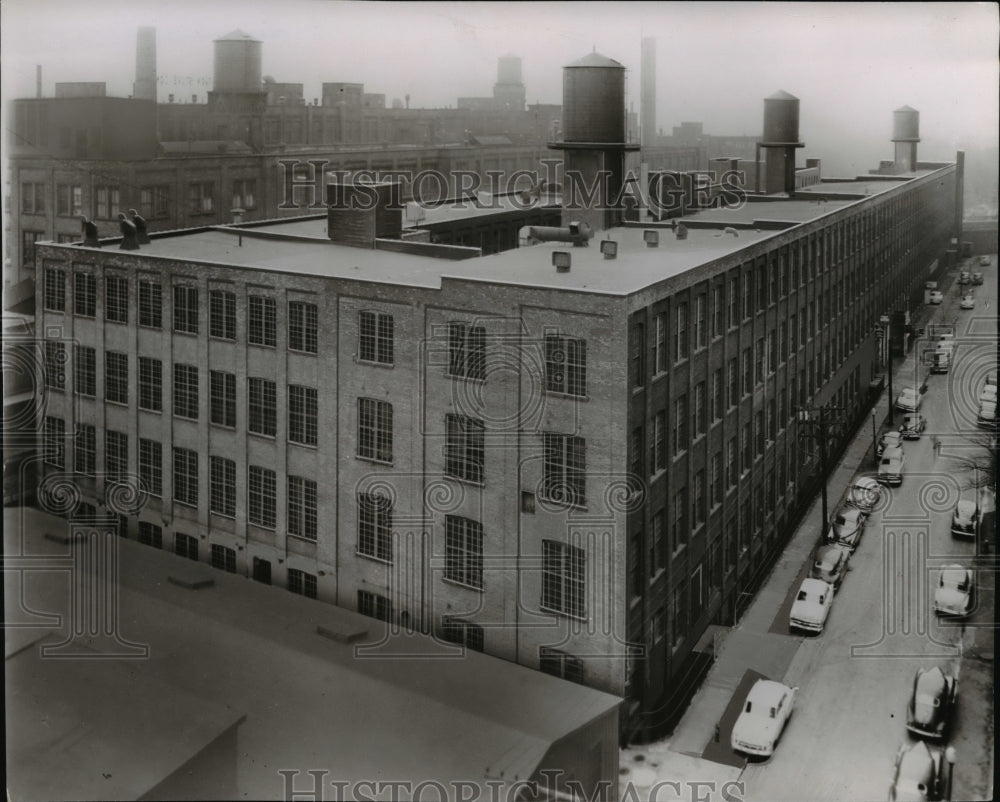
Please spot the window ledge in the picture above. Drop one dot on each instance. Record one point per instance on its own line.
(373, 460)
(563, 613)
(372, 557)
(569, 396)
(372, 363)
(457, 583)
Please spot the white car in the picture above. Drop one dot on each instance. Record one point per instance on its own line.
(764, 715)
(965, 520)
(919, 774)
(847, 527)
(953, 595)
(968, 302)
(890, 468)
(864, 493)
(984, 260)
(889, 440)
(988, 395)
(811, 606)
(908, 400)
(935, 297)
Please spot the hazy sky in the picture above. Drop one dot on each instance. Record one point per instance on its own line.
(851, 64)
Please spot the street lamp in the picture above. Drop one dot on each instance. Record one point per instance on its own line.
(950, 755)
(874, 438)
(887, 347)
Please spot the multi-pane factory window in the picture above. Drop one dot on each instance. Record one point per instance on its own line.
(186, 391)
(69, 200)
(303, 324)
(732, 460)
(564, 477)
(659, 456)
(466, 351)
(464, 454)
(302, 415)
(55, 364)
(261, 407)
(772, 351)
(746, 455)
(375, 429)
(560, 664)
(637, 354)
(186, 309)
(244, 193)
(108, 203)
(463, 633)
(115, 456)
(700, 323)
(85, 450)
(150, 384)
(636, 450)
(55, 442)
(222, 398)
(563, 578)
(375, 337)
(566, 365)
(759, 360)
(154, 201)
(374, 605)
(151, 466)
(718, 310)
(150, 304)
(717, 399)
(150, 534)
(747, 292)
(186, 546)
(116, 377)
(734, 302)
(658, 545)
(747, 371)
(222, 486)
(263, 325)
(681, 332)
(186, 476)
(222, 314)
(680, 425)
(759, 431)
(375, 526)
(224, 558)
(261, 491)
(715, 480)
(84, 295)
(698, 417)
(302, 507)
(464, 551)
(32, 198)
(660, 344)
(55, 289)
(116, 299)
(201, 197)
(85, 370)
(698, 505)
(733, 384)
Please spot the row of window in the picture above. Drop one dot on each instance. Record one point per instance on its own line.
(154, 201)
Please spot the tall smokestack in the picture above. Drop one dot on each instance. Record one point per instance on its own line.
(144, 87)
(647, 96)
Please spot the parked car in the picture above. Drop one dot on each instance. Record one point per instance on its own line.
(918, 776)
(965, 519)
(988, 394)
(985, 260)
(763, 718)
(890, 469)
(908, 400)
(977, 278)
(965, 277)
(932, 702)
(864, 493)
(830, 563)
(991, 379)
(889, 440)
(847, 527)
(935, 297)
(987, 417)
(913, 426)
(940, 360)
(953, 595)
(811, 606)
(968, 302)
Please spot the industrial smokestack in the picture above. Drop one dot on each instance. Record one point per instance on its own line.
(144, 87)
(647, 97)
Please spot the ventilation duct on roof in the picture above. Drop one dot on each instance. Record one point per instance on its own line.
(577, 233)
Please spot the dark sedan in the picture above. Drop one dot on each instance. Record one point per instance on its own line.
(931, 703)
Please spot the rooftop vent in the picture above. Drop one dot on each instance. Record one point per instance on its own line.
(731, 230)
(651, 237)
(681, 232)
(609, 248)
(562, 261)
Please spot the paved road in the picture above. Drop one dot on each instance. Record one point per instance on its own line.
(855, 678)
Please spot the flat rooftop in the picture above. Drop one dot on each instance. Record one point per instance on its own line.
(387, 705)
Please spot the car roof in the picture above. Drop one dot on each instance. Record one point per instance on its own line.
(812, 586)
(766, 692)
(965, 506)
(953, 573)
(930, 680)
(893, 452)
(867, 483)
(850, 512)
